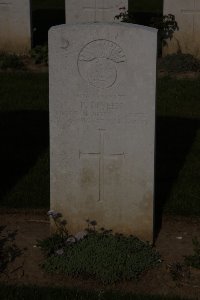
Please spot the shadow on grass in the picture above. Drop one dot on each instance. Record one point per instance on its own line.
(49, 293)
(174, 138)
(24, 136)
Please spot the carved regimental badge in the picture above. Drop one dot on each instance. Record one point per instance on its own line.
(98, 63)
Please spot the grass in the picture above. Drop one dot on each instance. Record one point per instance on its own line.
(24, 136)
(48, 293)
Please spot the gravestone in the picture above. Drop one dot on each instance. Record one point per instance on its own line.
(15, 26)
(187, 14)
(84, 11)
(102, 125)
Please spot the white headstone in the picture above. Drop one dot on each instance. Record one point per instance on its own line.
(187, 14)
(83, 11)
(15, 26)
(102, 125)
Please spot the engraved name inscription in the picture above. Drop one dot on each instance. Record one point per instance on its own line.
(100, 110)
(97, 63)
(116, 112)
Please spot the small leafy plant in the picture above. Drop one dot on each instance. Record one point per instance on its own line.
(178, 272)
(39, 54)
(8, 249)
(125, 16)
(166, 26)
(97, 254)
(10, 61)
(55, 243)
(194, 260)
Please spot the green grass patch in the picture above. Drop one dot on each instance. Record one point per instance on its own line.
(49, 293)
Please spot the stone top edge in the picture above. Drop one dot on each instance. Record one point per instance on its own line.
(87, 25)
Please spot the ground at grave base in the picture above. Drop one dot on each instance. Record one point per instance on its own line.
(173, 243)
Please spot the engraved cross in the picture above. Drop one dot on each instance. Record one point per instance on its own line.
(194, 12)
(101, 156)
(96, 7)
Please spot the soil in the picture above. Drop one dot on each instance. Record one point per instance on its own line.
(174, 241)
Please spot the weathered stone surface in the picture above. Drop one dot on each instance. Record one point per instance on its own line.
(187, 14)
(102, 125)
(93, 10)
(15, 26)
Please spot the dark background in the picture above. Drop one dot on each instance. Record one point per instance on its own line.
(47, 13)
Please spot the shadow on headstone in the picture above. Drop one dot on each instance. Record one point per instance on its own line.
(24, 136)
(174, 138)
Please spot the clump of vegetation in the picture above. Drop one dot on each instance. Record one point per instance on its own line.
(10, 61)
(97, 254)
(39, 54)
(178, 272)
(8, 249)
(166, 24)
(194, 260)
(179, 63)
